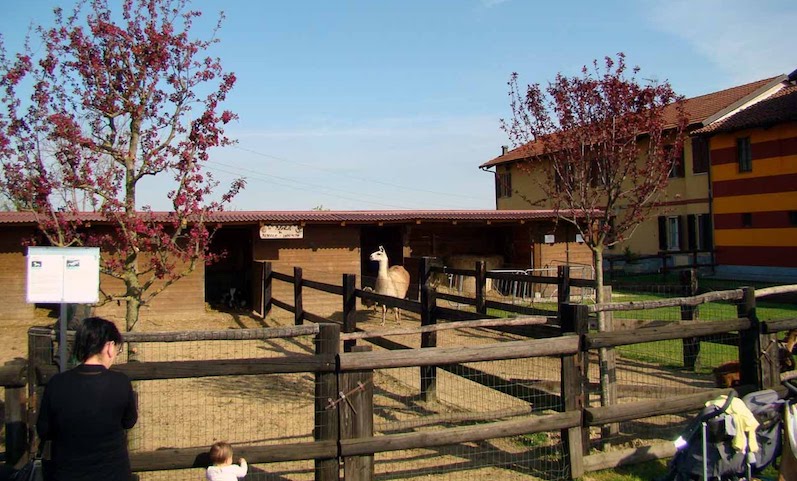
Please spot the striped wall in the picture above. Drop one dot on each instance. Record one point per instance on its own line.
(755, 213)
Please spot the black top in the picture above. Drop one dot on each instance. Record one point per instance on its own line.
(84, 411)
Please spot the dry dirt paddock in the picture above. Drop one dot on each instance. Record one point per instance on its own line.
(279, 408)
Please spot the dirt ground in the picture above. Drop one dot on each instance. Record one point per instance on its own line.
(274, 409)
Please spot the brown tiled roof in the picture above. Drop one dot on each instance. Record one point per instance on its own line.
(326, 217)
(780, 107)
(697, 109)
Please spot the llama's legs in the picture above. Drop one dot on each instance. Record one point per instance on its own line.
(398, 316)
(384, 314)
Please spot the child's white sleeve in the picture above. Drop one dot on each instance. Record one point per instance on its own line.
(242, 469)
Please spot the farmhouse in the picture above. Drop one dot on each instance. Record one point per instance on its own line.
(325, 244)
(754, 186)
(684, 227)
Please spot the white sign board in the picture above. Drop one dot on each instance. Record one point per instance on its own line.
(550, 238)
(63, 274)
(281, 232)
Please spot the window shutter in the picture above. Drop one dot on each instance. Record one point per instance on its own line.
(700, 155)
(682, 233)
(497, 185)
(708, 233)
(691, 238)
(662, 233)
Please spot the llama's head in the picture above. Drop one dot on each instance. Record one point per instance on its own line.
(379, 255)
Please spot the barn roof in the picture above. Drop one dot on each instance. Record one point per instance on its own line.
(327, 217)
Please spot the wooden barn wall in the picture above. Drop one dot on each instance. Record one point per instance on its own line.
(325, 253)
(182, 300)
(13, 274)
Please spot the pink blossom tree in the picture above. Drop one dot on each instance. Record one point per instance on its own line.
(600, 147)
(104, 100)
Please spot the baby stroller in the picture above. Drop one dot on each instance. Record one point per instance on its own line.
(709, 449)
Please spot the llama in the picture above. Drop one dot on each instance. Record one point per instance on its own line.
(727, 374)
(390, 282)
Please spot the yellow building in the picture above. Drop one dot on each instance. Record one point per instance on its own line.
(682, 228)
(754, 188)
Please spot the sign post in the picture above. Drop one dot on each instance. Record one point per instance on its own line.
(64, 275)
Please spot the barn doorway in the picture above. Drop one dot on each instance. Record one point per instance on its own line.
(371, 237)
(228, 281)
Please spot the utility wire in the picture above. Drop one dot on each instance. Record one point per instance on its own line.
(364, 179)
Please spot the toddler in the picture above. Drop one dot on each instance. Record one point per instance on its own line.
(223, 469)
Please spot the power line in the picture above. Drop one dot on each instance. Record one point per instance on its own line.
(364, 179)
(269, 178)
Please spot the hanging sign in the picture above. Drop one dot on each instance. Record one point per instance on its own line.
(63, 275)
(281, 232)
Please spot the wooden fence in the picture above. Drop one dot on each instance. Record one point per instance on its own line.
(340, 436)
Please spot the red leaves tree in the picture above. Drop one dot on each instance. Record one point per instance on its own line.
(107, 100)
(600, 147)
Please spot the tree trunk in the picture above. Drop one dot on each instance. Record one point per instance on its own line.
(597, 258)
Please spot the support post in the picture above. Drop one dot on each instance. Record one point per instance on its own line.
(563, 284)
(349, 309)
(357, 419)
(267, 281)
(574, 319)
(691, 345)
(428, 318)
(298, 313)
(481, 287)
(750, 343)
(327, 342)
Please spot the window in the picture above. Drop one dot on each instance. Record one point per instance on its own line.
(673, 243)
(698, 232)
(747, 220)
(671, 233)
(793, 217)
(503, 184)
(677, 170)
(700, 155)
(744, 155)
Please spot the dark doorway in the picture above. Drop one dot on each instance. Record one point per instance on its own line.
(371, 237)
(228, 281)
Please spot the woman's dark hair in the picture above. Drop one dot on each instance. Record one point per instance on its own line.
(91, 336)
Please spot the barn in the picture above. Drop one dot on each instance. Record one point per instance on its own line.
(325, 244)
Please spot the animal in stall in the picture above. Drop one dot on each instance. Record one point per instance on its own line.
(391, 281)
(728, 374)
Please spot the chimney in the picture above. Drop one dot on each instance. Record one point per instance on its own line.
(504, 149)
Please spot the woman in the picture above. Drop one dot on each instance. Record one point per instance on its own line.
(84, 411)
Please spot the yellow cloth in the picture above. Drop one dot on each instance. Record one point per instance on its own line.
(746, 423)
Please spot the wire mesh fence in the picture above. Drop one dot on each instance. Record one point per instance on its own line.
(660, 369)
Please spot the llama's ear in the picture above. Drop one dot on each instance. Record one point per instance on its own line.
(381, 249)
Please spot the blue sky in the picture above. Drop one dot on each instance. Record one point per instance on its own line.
(384, 104)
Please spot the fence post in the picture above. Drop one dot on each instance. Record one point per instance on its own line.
(563, 284)
(357, 420)
(481, 287)
(428, 318)
(326, 387)
(349, 309)
(267, 278)
(40, 353)
(750, 371)
(574, 319)
(298, 312)
(691, 350)
(15, 415)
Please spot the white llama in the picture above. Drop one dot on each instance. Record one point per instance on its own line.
(390, 282)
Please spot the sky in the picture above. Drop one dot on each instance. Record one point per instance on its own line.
(388, 104)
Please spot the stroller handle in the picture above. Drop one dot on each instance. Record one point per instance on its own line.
(791, 385)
